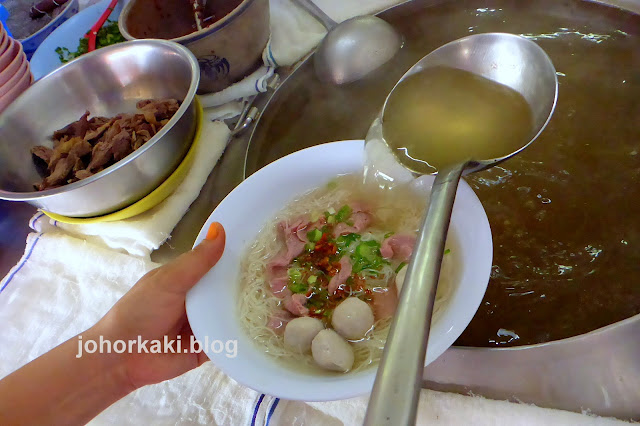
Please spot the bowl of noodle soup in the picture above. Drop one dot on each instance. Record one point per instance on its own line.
(317, 196)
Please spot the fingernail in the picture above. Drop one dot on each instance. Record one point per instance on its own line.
(214, 231)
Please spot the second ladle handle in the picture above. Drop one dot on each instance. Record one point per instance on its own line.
(317, 13)
(396, 391)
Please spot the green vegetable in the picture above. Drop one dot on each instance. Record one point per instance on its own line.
(367, 257)
(447, 251)
(400, 266)
(310, 246)
(107, 35)
(368, 251)
(295, 274)
(314, 235)
(344, 241)
(331, 220)
(298, 287)
(344, 213)
(387, 235)
(312, 279)
(331, 210)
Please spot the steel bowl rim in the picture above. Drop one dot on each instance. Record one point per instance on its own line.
(186, 103)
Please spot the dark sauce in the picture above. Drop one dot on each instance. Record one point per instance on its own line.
(173, 19)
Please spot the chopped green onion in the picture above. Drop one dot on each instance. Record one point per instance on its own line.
(312, 279)
(387, 235)
(331, 210)
(344, 241)
(298, 287)
(331, 220)
(447, 251)
(314, 235)
(368, 251)
(295, 274)
(310, 246)
(344, 213)
(400, 266)
(367, 256)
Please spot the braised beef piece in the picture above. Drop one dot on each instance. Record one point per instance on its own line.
(75, 129)
(121, 145)
(42, 152)
(88, 146)
(83, 174)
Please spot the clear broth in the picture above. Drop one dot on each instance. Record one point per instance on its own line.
(443, 116)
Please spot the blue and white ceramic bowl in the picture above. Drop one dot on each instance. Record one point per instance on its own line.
(46, 60)
(31, 43)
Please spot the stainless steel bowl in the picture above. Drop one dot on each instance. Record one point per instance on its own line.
(105, 82)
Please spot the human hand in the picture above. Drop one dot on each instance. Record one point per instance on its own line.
(155, 308)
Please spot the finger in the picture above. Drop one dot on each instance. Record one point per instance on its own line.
(183, 273)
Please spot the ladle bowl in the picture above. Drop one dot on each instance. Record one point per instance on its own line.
(523, 66)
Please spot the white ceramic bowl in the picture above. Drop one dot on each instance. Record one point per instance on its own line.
(212, 303)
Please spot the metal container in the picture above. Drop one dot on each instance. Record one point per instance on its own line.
(106, 82)
(227, 51)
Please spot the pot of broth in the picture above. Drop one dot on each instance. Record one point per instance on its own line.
(228, 47)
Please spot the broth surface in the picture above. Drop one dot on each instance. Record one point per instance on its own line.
(444, 116)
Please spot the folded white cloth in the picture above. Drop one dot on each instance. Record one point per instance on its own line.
(70, 275)
(294, 32)
(142, 234)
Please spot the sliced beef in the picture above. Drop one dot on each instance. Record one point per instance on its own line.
(81, 148)
(121, 145)
(75, 129)
(398, 247)
(42, 152)
(296, 304)
(341, 277)
(100, 142)
(99, 131)
(83, 174)
(61, 171)
(385, 301)
(100, 155)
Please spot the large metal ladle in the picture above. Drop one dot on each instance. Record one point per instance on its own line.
(523, 66)
(353, 48)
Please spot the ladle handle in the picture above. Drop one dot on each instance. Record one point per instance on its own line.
(394, 400)
(317, 13)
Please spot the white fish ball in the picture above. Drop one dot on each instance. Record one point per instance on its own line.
(332, 352)
(300, 332)
(352, 318)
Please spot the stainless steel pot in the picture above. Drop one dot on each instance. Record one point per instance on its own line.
(106, 82)
(227, 51)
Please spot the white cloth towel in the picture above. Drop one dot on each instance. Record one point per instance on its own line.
(70, 275)
(142, 234)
